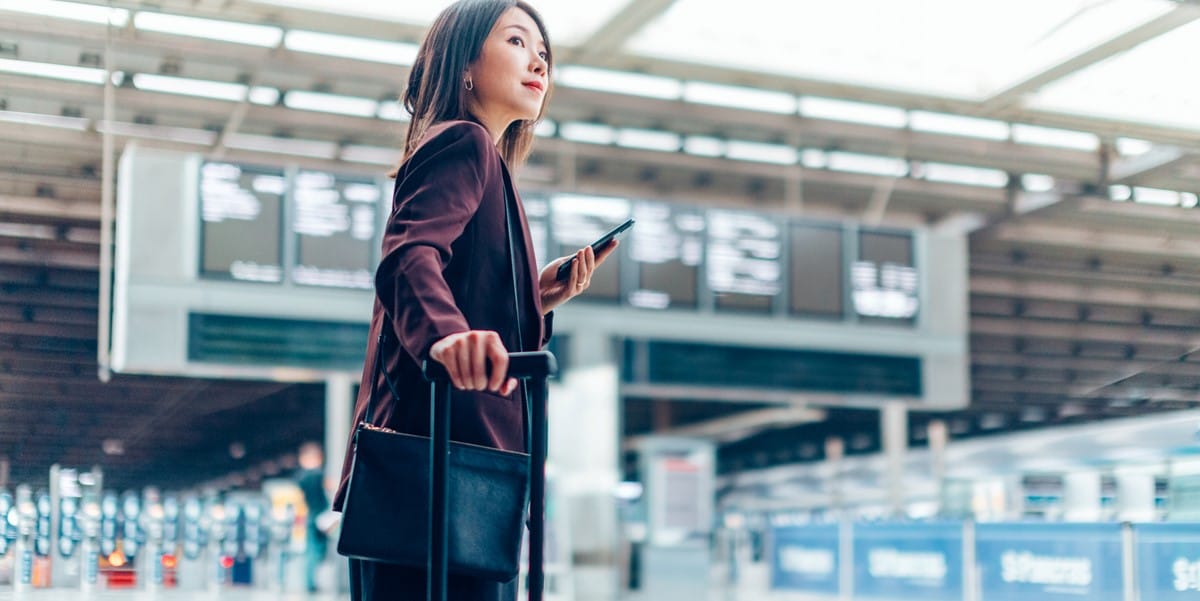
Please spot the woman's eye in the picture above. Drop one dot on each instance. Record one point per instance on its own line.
(518, 41)
(544, 56)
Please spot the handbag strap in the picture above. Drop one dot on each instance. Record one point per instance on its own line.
(377, 368)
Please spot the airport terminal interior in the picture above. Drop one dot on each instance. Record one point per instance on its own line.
(911, 309)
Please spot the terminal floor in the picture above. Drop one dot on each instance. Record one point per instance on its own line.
(164, 595)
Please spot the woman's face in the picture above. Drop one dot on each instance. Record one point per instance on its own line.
(510, 76)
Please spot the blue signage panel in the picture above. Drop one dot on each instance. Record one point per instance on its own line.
(1048, 562)
(805, 558)
(908, 561)
(1168, 561)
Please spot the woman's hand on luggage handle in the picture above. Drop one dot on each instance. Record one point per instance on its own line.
(556, 292)
(466, 356)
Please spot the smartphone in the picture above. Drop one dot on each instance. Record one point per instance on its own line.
(564, 270)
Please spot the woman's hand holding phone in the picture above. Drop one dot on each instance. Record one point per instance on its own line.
(584, 262)
(466, 356)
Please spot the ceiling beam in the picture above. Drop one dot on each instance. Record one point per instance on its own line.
(1156, 159)
(1012, 95)
(1185, 339)
(1066, 236)
(1048, 288)
(612, 35)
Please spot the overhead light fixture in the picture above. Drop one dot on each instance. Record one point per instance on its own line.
(545, 129)
(587, 133)
(619, 82)
(813, 158)
(1120, 193)
(363, 49)
(265, 36)
(1188, 200)
(739, 97)
(74, 11)
(1036, 182)
(56, 71)
(815, 107)
(217, 90)
(646, 139)
(331, 103)
(1058, 138)
(1156, 196)
(392, 110)
(965, 175)
(1130, 147)
(289, 146)
(957, 125)
(704, 146)
(761, 153)
(371, 155)
(867, 163)
(264, 95)
(56, 121)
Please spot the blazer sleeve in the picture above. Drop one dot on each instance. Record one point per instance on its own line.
(441, 189)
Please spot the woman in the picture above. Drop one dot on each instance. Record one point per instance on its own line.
(444, 286)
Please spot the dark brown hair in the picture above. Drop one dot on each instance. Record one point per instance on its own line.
(435, 83)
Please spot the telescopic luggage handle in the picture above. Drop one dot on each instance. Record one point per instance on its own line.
(536, 367)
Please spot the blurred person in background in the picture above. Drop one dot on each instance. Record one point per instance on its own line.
(446, 282)
(311, 480)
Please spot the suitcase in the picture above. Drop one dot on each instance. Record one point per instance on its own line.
(532, 368)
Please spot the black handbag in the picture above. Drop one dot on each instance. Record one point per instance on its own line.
(387, 508)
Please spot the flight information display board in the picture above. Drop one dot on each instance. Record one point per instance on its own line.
(885, 280)
(667, 243)
(240, 222)
(335, 222)
(577, 221)
(676, 256)
(816, 285)
(744, 268)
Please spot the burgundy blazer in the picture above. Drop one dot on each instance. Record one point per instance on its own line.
(446, 269)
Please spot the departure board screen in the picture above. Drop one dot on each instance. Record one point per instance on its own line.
(816, 264)
(667, 245)
(577, 221)
(241, 222)
(884, 278)
(744, 272)
(334, 219)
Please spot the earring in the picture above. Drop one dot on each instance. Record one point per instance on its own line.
(469, 83)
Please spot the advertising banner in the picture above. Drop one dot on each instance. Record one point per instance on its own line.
(908, 561)
(1167, 560)
(805, 558)
(1049, 562)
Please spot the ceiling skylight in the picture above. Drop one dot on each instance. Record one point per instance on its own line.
(379, 51)
(619, 82)
(569, 21)
(55, 71)
(75, 11)
(738, 97)
(225, 31)
(945, 47)
(1145, 84)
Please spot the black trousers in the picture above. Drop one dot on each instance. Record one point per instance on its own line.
(375, 581)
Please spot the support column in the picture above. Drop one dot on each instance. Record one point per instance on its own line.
(1135, 495)
(1081, 496)
(894, 429)
(584, 465)
(339, 412)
